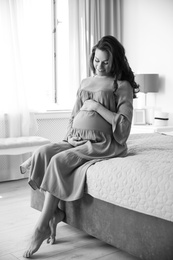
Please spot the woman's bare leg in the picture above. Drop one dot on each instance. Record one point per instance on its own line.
(42, 229)
(57, 217)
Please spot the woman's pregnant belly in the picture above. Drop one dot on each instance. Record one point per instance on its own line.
(91, 120)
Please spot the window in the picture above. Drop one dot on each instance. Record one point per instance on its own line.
(34, 48)
(71, 56)
(26, 54)
(42, 60)
(61, 55)
(58, 93)
(36, 52)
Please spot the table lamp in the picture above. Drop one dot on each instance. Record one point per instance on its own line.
(149, 86)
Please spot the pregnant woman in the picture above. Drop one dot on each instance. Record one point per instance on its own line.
(98, 128)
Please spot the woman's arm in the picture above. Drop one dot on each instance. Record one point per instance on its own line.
(122, 120)
(75, 110)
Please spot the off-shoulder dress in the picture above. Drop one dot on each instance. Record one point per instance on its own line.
(60, 168)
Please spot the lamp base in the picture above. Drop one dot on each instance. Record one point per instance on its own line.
(149, 113)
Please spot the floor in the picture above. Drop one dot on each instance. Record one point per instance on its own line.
(17, 221)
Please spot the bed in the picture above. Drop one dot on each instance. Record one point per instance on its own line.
(128, 202)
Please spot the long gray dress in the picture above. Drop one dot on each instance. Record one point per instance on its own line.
(60, 168)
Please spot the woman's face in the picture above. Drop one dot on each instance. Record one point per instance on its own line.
(102, 63)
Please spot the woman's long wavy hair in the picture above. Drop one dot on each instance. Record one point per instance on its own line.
(120, 69)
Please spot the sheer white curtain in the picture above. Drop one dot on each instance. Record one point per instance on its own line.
(89, 21)
(11, 79)
(22, 80)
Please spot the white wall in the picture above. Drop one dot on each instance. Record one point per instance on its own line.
(147, 35)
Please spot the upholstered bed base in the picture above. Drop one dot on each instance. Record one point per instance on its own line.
(141, 235)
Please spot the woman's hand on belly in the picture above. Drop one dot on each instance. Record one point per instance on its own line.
(90, 105)
(76, 141)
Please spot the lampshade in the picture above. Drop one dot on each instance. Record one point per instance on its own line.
(147, 82)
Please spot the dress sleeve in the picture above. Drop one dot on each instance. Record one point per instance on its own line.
(121, 123)
(76, 108)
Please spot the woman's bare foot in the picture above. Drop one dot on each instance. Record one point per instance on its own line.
(36, 241)
(57, 217)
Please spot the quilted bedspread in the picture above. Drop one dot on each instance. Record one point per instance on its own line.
(142, 181)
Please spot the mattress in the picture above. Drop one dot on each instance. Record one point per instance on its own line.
(142, 181)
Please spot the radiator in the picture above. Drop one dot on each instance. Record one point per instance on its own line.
(50, 125)
(3, 127)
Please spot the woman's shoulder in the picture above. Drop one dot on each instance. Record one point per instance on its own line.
(123, 83)
(124, 87)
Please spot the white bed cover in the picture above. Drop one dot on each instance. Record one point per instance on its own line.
(142, 181)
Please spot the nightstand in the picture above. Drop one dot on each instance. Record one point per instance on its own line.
(150, 129)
